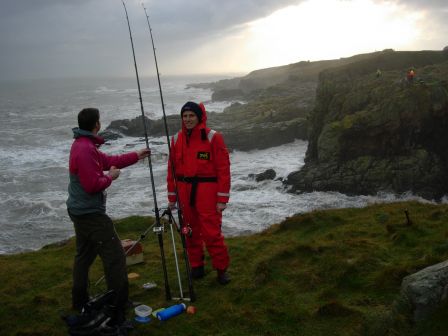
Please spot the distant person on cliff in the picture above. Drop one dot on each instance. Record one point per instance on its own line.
(410, 75)
(86, 205)
(378, 73)
(202, 181)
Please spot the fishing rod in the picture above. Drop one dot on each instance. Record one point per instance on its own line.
(158, 227)
(183, 229)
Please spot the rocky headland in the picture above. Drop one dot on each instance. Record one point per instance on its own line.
(277, 103)
(371, 133)
(368, 130)
(276, 108)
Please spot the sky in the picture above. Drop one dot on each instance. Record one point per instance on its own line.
(85, 38)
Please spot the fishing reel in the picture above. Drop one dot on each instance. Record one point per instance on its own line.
(158, 229)
(185, 230)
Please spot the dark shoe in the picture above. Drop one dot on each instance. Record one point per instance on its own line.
(223, 277)
(197, 272)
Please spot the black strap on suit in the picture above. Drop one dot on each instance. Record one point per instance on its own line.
(194, 180)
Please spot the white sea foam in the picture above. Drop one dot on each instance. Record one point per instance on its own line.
(104, 89)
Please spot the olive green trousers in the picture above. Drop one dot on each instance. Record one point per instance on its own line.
(96, 235)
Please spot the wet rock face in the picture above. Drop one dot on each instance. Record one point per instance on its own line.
(270, 120)
(371, 134)
(228, 94)
(268, 174)
(425, 290)
(236, 136)
(110, 135)
(134, 127)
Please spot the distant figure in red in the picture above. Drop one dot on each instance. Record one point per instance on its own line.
(202, 168)
(410, 75)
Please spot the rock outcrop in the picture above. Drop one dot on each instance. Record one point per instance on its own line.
(423, 292)
(371, 133)
(134, 127)
(268, 174)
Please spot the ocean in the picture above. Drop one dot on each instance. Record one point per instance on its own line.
(36, 118)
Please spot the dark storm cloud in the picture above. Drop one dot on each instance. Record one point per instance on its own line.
(180, 26)
(179, 18)
(17, 7)
(78, 37)
(64, 38)
(433, 4)
(216, 13)
(194, 19)
(436, 17)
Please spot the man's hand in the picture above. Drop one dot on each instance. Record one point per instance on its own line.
(143, 153)
(220, 207)
(114, 172)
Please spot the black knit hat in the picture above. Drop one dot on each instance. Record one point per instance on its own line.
(193, 107)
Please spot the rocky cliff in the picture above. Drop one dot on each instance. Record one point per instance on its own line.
(278, 101)
(267, 122)
(372, 133)
(285, 77)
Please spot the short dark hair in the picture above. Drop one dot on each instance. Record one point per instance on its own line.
(88, 118)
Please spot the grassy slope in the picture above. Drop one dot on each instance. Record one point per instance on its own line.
(333, 272)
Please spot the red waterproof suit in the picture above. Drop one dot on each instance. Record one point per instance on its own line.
(202, 169)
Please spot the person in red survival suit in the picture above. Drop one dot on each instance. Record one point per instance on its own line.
(202, 175)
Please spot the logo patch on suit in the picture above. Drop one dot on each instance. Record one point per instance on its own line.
(203, 155)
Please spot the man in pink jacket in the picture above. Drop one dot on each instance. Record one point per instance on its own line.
(86, 205)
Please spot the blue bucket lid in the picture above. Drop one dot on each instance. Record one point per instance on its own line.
(141, 319)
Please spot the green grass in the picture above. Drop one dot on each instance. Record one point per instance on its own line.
(335, 272)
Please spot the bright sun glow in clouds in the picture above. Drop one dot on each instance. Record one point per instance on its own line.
(327, 29)
(313, 30)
